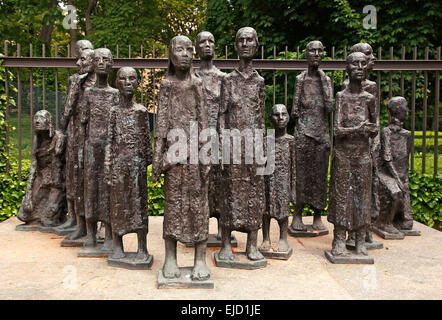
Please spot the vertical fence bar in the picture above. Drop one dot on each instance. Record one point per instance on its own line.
(379, 81)
(424, 120)
(43, 53)
(142, 77)
(436, 115)
(402, 73)
(345, 58)
(274, 77)
(19, 142)
(390, 76)
(117, 51)
(332, 114)
(69, 55)
(129, 51)
(285, 78)
(31, 96)
(226, 51)
(7, 109)
(413, 109)
(56, 90)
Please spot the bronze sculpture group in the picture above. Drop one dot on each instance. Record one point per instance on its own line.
(97, 171)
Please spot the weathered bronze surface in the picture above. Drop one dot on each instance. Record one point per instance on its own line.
(351, 169)
(94, 116)
(313, 101)
(128, 153)
(281, 185)
(186, 210)
(242, 190)
(44, 204)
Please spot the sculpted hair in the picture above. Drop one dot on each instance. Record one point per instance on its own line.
(396, 105)
(360, 47)
(255, 35)
(48, 118)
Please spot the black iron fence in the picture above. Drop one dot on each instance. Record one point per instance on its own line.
(32, 74)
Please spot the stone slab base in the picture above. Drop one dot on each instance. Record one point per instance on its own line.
(63, 232)
(213, 242)
(27, 227)
(77, 242)
(369, 245)
(241, 262)
(387, 235)
(130, 262)
(94, 252)
(46, 229)
(307, 233)
(411, 232)
(184, 281)
(349, 259)
(277, 255)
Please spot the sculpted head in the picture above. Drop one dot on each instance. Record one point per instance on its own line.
(81, 45)
(43, 122)
(314, 53)
(279, 116)
(85, 62)
(103, 61)
(181, 54)
(205, 45)
(398, 109)
(366, 49)
(357, 66)
(127, 81)
(246, 43)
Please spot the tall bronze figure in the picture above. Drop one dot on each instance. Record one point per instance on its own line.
(242, 189)
(351, 169)
(313, 101)
(75, 226)
(395, 218)
(128, 153)
(211, 77)
(44, 204)
(98, 100)
(371, 87)
(181, 111)
(280, 186)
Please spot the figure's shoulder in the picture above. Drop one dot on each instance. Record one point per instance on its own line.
(289, 137)
(301, 76)
(113, 90)
(368, 95)
(386, 131)
(140, 108)
(260, 78)
(196, 80)
(166, 83)
(406, 132)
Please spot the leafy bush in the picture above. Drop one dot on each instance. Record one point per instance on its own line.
(156, 194)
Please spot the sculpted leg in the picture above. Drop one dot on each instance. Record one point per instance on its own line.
(317, 221)
(297, 223)
(360, 242)
(252, 251)
(117, 249)
(200, 270)
(80, 231)
(142, 253)
(219, 234)
(226, 249)
(91, 240)
(338, 245)
(283, 245)
(266, 245)
(170, 267)
(72, 219)
(108, 237)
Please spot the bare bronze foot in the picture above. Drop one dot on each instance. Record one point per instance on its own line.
(200, 272)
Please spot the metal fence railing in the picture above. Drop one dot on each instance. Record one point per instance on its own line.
(417, 79)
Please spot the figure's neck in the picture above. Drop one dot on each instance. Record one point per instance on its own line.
(245, 66)
(206, 65)
(280, 132)
(43, 136)
(312, 70)
(90, 77)
(182, 74)
(126, 102)
(101, 81)
(355, 86)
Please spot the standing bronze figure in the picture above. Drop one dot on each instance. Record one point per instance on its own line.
(44, 204)
(128, 153)
(351, 169)
(242, 190)
(75, 227)
(98, 100)
(395, 218)
(181, 110)
(313, 101)
(280, 186)
(371, 87)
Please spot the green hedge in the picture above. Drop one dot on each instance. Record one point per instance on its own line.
(425, 192)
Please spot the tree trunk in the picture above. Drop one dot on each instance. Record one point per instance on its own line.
(90, 7)
(48, 25)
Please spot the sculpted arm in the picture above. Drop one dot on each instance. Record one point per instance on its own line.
(160, 134)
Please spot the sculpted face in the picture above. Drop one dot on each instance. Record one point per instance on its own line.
(246, 43)
(42, 121)
(314, 53)
(205, 45)
(368, 51)
(85, 62)
(103, 61)
(357, 66)
(279, 116)
(398, 108)
(81, 45)
(181, 54)
(127, 81)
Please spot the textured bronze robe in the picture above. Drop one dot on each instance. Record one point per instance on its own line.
(243, 191)
(313, 100)
(186, 210)
(212, 89)
(281, 185)
(351, 168)
(95, 109)
(128, 153)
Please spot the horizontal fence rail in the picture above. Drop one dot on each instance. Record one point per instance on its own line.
(416, 79)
